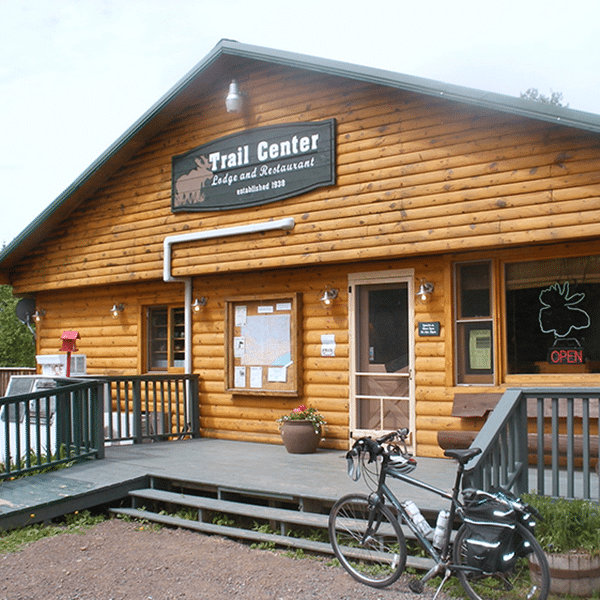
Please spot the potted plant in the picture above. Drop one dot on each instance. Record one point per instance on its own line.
(301, 430)
(569, 533)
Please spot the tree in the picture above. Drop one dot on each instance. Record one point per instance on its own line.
(17, 344)
(555, 98)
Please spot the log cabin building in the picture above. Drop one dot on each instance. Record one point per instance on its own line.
(391, 250)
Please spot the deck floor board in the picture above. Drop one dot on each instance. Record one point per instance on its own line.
(222, 464)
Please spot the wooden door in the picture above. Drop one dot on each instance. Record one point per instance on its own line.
(382, 346)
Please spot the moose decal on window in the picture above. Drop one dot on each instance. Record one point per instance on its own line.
(559, 313)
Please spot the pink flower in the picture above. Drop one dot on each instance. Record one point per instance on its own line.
(299, 409)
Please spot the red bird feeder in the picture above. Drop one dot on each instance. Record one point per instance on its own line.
(69, 338)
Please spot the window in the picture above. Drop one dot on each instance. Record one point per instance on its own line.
(474, 331)
(166, 338)
(553, 315)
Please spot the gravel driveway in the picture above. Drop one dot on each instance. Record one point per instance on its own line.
(117, 560)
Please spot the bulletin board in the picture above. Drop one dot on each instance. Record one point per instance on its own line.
(262, 345)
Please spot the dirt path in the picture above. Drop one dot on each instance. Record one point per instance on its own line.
(115, 560)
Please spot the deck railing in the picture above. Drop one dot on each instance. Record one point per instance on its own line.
(51, 427)
(552, 430)
(76, 419)
(143, 408)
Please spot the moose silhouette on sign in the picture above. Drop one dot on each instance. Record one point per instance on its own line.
(189, 188)
(559, 314)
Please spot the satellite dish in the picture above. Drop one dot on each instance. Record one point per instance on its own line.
(25, 309)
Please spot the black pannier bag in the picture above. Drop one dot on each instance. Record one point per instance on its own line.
(491, 521)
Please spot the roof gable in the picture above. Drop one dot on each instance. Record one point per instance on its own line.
(228, 53)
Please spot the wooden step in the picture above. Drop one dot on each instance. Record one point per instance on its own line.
(249, 535)
(270, 513)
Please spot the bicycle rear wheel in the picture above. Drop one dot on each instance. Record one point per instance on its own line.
(367, 540)
(523, 581)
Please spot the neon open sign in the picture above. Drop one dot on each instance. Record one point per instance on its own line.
(566, 356)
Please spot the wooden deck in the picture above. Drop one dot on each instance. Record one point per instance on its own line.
(220, 465)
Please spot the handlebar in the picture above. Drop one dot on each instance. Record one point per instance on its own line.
(376, 447)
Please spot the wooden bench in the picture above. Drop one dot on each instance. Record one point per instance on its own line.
(479, 406)
(467, 406)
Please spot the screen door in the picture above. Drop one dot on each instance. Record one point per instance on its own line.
(382, 345)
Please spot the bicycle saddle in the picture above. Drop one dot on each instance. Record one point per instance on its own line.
(463, 456)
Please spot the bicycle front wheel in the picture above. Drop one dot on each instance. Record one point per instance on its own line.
(367, 540)
(528, 579)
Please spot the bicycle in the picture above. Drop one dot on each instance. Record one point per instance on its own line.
(367, 538)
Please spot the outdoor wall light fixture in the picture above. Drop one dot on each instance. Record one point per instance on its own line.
(198, 303)
(39, 314)
(116, 310)
(235, 98)
(425, 291)
(329, 295)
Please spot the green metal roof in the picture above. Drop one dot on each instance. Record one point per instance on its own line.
(148, 123)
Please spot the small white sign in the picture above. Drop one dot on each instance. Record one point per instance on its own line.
(239, 346)
(277, 374)
(264, 310)
(239, 377)
(240, 315)
(256, 377)
(283, 306)
(328, 344)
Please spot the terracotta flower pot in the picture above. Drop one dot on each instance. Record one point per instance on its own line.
(299, 437)
(577, 574)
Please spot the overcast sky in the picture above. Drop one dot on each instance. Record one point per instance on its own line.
(75, 74)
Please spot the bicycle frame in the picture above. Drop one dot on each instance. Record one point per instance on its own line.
(441, 557)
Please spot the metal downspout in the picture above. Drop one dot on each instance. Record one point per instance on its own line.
(279, 225)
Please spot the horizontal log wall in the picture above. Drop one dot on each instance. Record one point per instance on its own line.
(419, 179)
(415, 175)
(112, 346)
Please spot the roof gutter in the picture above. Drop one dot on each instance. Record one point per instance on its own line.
(286, 224)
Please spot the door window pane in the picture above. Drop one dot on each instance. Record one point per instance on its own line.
(387, 329)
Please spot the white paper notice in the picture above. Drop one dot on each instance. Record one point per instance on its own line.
(277, 374)
(239, 347)
(264, 310)
(283, 306)
(240, 315)
(256, 377)
(328, 344)
(239, 377)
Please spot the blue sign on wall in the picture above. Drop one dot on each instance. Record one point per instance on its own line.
(255, 167)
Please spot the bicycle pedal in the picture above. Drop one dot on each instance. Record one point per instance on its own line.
(416, 586)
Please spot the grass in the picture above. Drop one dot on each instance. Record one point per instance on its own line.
(77, 522)
(36, 465)
(567, 524)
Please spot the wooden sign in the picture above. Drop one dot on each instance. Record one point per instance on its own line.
(254, 167)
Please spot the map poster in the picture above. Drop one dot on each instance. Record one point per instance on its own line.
(262, 354)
